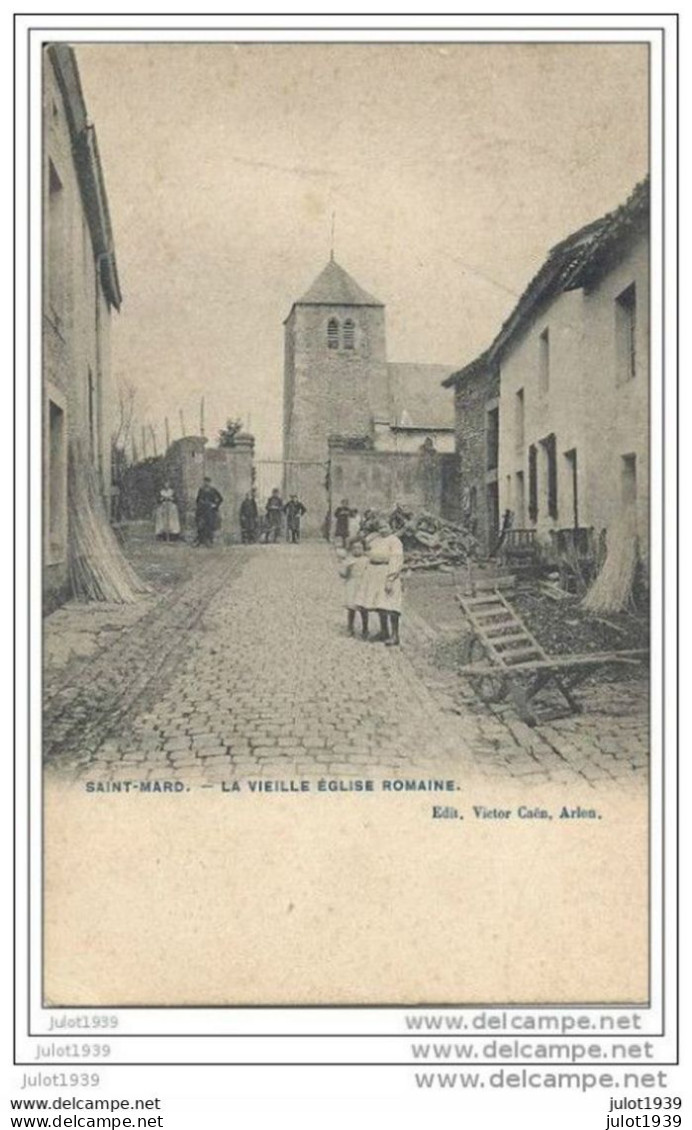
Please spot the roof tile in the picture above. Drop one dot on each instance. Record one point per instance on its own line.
(335, 287)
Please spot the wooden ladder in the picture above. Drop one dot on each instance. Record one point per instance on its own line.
(502, 633)
(509, 647)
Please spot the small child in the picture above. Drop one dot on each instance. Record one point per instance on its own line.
(353, 525)
(353, 566)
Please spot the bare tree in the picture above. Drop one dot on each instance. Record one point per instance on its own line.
(127, 396)
(122, 441)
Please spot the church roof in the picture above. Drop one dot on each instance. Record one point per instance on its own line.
(417, 399)
(335, 287)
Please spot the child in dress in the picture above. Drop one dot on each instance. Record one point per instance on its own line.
(353, 525)
(353, 566)
(382, 583)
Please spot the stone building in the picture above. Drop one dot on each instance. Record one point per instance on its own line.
(339, 388)
(477, 422)
(80, 292)
(571, 368)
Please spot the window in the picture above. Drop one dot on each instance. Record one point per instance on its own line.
(492, 438)
(629, 480)
(492, 501)
(57, 486)
(349, 334)
(55, 244)
(533, 483)
(544, 363)
(549, 449)
(332, 334)
(519, 420)
(519, 501)
(571, 460)
(626, 335)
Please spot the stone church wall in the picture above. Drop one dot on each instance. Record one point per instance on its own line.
(379, 480)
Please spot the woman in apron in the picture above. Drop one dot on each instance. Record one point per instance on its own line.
(167, 519)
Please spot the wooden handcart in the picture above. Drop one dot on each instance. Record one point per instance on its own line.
(506, 662)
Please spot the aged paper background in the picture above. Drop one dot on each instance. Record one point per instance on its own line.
(228, 900)
(318, 900)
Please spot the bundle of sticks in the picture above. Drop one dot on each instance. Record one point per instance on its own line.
(612, 588)
(98, 568)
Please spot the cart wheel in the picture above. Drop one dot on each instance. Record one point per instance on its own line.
(520, 700)
(466, 649)
(491, 687)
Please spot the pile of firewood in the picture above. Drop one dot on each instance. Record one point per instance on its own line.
(431, 542)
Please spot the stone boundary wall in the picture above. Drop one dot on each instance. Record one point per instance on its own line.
(381, 479)
(230, 469)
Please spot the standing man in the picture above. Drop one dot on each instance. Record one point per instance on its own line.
(274, 508)
(207, 518)
(342, 515)
(249, 516)
(293, 510)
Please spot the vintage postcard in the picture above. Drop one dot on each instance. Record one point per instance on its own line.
(351, 464)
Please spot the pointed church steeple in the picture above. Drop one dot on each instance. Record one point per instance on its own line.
(335, 287)
(335, 374)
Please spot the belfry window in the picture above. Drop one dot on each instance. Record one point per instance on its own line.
(332, 334)
(349, 334)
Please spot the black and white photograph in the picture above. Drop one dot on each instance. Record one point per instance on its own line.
(347, 564)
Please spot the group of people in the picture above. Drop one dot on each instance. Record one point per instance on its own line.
(371, 555)
(371, 560)
(267, 527)
(207, 514)
(253, 527)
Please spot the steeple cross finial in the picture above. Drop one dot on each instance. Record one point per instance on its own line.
(331, 252)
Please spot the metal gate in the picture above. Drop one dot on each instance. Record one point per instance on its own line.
(309, 479)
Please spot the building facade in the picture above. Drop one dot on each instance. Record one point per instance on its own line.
(80, 292)
(571, 369)
(339, 386)
(477, 435)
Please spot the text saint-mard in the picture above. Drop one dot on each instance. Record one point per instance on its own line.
(153, 786)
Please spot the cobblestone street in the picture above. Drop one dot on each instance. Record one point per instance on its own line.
(246, 670)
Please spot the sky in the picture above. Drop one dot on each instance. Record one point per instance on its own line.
(447, 172)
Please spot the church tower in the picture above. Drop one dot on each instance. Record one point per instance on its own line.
(335, 366)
